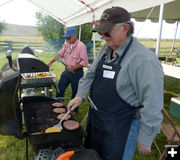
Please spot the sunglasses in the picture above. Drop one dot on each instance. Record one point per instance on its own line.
(107, 34)
(68, 38)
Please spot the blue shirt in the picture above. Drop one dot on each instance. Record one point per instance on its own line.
(139, 82)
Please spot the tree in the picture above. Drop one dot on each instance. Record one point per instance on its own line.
(52, 30)
(2, 27)
(86, 32)
(86, 35)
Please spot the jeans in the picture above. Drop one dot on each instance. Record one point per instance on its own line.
(131, 140)
(69, 78)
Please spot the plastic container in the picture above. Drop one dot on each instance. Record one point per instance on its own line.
(175, 107)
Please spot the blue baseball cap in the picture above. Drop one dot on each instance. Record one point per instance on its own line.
(69, 32)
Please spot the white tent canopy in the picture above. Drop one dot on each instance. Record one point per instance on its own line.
(77, 12)
(171, 13)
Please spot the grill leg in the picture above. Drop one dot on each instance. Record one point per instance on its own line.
(33, 156)
(26, 148)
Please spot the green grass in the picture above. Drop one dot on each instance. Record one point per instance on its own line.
(164, 43)
(13, 149)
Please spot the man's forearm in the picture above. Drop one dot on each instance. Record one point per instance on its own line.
(53, 60)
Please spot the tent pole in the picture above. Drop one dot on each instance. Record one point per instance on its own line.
(160, 29)
(94, 45)
(172, 47)
(79, 32)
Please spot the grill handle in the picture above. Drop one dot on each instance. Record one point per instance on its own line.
(66, 156)
(9, 57)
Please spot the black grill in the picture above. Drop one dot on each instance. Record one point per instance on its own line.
(36, 110)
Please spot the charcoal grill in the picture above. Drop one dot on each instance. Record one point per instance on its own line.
(35, 110)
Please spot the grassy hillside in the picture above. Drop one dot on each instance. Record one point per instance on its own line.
(19, 30)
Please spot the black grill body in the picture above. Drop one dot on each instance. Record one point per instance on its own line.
(9, 103)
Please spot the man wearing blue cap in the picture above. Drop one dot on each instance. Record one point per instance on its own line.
(75, 56)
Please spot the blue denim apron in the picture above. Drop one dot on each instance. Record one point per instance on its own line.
(108, 127)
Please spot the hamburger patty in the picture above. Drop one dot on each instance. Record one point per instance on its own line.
(60, 116)
(59, 110)
(71, 125)
(57, 104)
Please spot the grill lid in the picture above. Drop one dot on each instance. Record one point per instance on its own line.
(28, 62)
(27, 49)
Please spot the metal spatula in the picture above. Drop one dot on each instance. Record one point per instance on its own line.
(57, 127)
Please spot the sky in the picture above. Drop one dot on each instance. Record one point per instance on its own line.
(22, 12)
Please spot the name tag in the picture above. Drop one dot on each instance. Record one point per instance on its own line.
(108, 74)
(107, 67)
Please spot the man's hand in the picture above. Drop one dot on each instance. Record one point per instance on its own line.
(49, 64)
(70, 68)
(74, 103)
(143, 149)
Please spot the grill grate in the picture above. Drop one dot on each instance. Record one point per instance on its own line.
(39, 116)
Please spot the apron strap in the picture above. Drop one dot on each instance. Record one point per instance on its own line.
(122, 57)
(125, 51)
